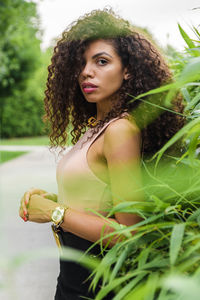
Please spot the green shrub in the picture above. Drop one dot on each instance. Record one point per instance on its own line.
(161, 261)
(23, 70)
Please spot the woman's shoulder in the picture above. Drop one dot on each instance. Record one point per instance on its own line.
(120, 131)
(121, 139)
(126, 123)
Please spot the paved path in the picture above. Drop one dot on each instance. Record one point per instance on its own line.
(22, 148)
(35, 279)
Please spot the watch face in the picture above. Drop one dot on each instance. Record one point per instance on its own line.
(57, 214)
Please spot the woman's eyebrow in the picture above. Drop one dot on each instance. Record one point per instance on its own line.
(100, 53)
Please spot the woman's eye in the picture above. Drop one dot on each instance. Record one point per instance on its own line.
(102, 62)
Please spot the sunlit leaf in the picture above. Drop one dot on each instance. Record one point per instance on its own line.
(176, 137)
(188, 41)
(124, 291)
(193, 102)
(176, 241)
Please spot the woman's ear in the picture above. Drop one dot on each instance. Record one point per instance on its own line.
(126, 74)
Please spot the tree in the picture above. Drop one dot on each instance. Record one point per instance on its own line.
(20, 57)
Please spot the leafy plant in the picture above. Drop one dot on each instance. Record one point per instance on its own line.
(162, 259)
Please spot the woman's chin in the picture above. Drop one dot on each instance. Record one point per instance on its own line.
(91, 100)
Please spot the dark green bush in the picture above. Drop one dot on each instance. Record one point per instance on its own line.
(22, 70)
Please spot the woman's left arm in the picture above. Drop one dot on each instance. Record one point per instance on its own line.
(122, 152)
(122, 148)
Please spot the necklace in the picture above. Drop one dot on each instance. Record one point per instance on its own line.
(92, 122)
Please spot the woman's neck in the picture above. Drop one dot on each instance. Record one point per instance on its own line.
(103, 108)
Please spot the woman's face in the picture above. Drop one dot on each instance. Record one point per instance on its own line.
(103, 72)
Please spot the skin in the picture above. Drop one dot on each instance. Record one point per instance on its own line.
(119, 145)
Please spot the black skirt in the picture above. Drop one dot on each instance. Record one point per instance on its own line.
(72, 282)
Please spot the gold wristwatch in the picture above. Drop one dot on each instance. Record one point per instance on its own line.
(57, 216)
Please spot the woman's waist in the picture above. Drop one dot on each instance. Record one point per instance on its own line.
(75, 242)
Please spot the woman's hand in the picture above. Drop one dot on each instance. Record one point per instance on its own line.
(26, 198)
(50, 196)
(39, 209)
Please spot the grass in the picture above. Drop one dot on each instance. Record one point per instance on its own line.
(30, 141)
(8, 155)
(24, 141)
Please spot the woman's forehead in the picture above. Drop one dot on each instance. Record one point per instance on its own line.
(100, 46)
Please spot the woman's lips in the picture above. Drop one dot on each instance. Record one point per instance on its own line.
(89, 87)
(89, 90)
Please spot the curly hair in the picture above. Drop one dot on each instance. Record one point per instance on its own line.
(65, 104)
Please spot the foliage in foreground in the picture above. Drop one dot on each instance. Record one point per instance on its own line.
(162, 259)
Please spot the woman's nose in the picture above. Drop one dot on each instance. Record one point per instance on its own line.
(87, 71)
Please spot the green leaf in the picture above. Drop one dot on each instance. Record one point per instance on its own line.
(191, 72)
(186, 94)
(190, 250)
(157, 262)
(162, 108)
(194, 215)
(143, 256)
(151, 286)
(191, 263)
(128, 204)
(197, 33)
(115, 283)
(175, 242)
(175, 138)
(159, 203)
(162, 294)
(104, 266)
(120, 261)
(124, 291)
(193, 102)
(137, 293)
(146, 290)
(188, 41)
(161, 89)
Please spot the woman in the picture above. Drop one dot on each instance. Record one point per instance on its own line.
(97, 64)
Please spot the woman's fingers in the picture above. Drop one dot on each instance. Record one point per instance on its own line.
(23, 206)
(27, 196)
(23, 212)
(31, 192)
(25, 200)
